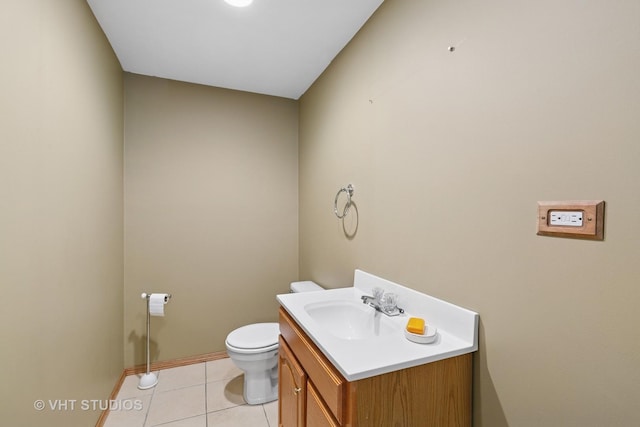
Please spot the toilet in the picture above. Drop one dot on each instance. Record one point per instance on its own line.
(254, 349)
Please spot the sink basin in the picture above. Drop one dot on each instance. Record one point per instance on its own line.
(349, 320)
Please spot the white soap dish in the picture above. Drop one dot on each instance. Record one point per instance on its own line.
(429, 336)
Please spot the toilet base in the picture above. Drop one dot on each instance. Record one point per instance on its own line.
(260, 387)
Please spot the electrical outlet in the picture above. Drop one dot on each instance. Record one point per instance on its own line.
(582, 219)
(566, 218)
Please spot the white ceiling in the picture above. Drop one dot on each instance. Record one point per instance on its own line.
(272, 47)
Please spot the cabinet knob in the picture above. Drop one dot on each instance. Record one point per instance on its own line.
(297, 390)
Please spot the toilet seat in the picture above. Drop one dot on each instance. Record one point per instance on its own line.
(255, 338)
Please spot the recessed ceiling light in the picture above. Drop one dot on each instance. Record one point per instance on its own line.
(239, 3)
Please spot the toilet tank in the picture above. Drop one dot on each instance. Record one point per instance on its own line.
(306, 286)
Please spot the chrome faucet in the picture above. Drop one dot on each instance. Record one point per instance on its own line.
(378, 302)
(367, 299)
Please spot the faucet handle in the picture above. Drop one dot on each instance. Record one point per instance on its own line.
(390, 302)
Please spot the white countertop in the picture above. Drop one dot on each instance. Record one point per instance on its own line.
(363, 358)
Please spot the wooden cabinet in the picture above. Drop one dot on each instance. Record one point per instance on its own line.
(313, 393)
(318, 415)
(292, 389)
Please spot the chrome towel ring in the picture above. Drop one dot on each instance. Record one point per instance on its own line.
(348, 190)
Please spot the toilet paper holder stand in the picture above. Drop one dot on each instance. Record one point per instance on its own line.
(144, 295)
(149, 379)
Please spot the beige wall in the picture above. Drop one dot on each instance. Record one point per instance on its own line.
(211, 196)
(449, 153)
(61, 228)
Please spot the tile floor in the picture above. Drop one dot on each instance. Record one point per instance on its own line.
(205, 394)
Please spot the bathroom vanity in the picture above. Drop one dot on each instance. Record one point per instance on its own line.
(343, 364)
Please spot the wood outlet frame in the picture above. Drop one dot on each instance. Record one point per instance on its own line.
(592, 227)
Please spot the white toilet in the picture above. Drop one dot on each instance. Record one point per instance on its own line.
(254, 349)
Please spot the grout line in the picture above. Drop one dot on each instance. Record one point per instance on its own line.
(264, 411)
(153, 393)
(175, 421)
(206, 401)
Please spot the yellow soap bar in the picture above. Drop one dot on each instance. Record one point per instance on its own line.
(415, 325)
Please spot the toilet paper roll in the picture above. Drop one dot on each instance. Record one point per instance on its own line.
(156, 304)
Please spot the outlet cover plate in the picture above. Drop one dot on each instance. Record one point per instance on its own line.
(592, 227)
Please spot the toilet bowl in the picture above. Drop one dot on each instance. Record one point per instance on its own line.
(254, 349)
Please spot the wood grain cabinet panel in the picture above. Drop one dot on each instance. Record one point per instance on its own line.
(434, 394)
(318, 415)
(292, 389)
(325, 377)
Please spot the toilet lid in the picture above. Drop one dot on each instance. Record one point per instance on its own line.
(258, 335)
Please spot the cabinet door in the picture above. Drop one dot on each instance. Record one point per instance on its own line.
(292, 389)
(317, 413)
(326, 379)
